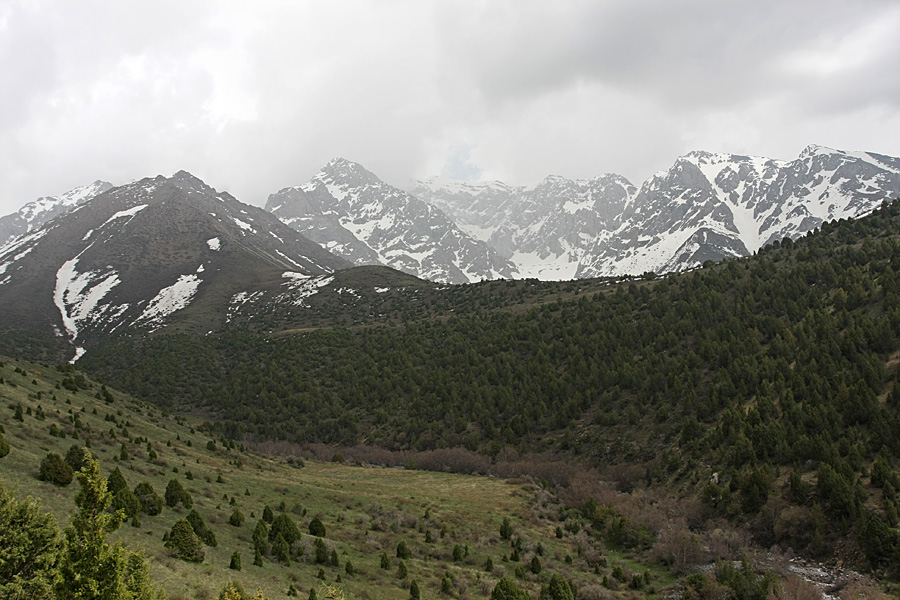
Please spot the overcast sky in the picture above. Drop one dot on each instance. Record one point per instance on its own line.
(255, 96)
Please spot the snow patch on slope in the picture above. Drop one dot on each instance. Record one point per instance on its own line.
(172, 298)
(126, 213)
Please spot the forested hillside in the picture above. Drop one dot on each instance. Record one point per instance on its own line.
(772, 369)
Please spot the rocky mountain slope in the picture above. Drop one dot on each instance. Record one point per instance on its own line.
(34, 214)
(357, 216)
(146, 254)
(545, 230)
(706, 206)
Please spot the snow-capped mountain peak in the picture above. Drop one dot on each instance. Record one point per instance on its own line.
(354, 214)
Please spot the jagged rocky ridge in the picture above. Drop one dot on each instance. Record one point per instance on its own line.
(357, 216)
(705, 207)
(145, 254)
(34, 214)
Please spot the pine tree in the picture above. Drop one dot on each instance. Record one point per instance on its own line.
(414, 590)
(235, 561)
(4, 446)
(175, 493)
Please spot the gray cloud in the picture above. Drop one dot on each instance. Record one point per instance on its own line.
(253, 97)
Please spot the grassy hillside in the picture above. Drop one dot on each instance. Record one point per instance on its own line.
(451, 523)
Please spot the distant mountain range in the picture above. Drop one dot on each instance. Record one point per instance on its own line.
(164, 251)
(705, 207)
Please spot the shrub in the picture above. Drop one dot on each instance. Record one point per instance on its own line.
(285, 527)
(151, 503)
(115, 482)
(4, 446)
(125, 500)
(506, 589)
(200, 528)
(316, 527)
(403, 551)
(236, 519)
(175, 494)
(184, 543)
(235, 561)
(76, 457)
(55, 470)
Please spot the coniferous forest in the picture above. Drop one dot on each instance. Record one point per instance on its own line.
(637, 432)
(754, 380)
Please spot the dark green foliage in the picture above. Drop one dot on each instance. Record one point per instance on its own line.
(506, 589)
(414, 593)
(268, 516)
(55, 470)
(312, 594)
(18, 415)
(535, 566)
(385, 562)
(505, 529)
(4, 446)
(236, 519)
(403, 551)
(116, 480)
(261, 537)
(200, 528)
(457, 553)
(559, 588)
(333, 558)
(88, 564)
(349, 569)
(123, 452)
(127, 501)
(151, 503)
(877, 539)
(446, 584)
(320, 551)
(284, 526)
(176, 494)
(257, 557)
(184, 543)
(316, 527)
(281, 550)
(402, 571)
(76, 457)
(292, 591)
(29, 548)
(799, 489)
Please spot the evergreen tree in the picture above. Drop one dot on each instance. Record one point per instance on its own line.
(184, 542)
(281, 550)
(55, 470)
(200, 528)
(175, 493)
(385, 561)
(316, 527)
(505, 529)
(235, 563)
(268, 516)
(115, 482)
(414, 593)
(151, 503)
(4, 446)
(403, 551)
(236, 519)
(284, 526)
(75, 458)
(261, 537)
(89, 567)
(506, 589)
(127, 502)
(29, 548)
